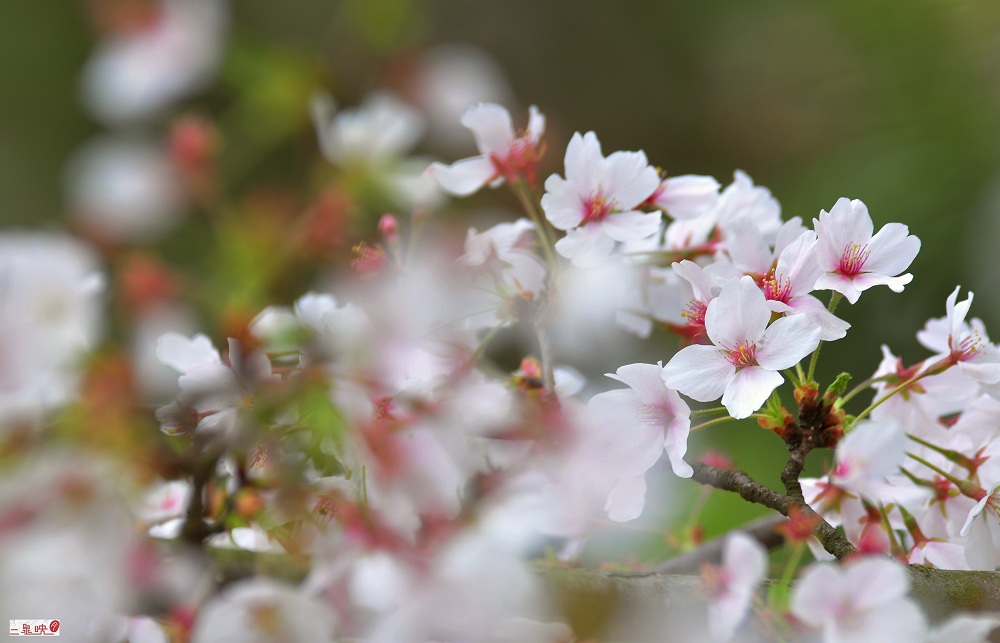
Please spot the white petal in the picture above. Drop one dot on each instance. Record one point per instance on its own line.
(787, 341)
(700, 372)
(748, 390)
(631, 226)
(181, 353)
(464, 177)
(586, 247)
(491, 125)
(627, 499)
(738, 314)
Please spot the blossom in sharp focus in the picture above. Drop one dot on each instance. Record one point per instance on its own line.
(853, 259)
(862, 602)
(503, 153)
(742, 364)
(965, 344)
(730, 588)
(597, 203)
(788, 284)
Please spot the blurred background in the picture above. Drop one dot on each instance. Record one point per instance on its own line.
(896, 104)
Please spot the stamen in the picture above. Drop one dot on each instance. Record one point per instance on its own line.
(596, 207)
(695, 313)
(777, 288)
(742, 354)
(970, 346)
(853, 259)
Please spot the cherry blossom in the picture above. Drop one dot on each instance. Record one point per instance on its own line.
(852, 259)
(647, 419)
(597, 203)
(742, 364)
(965, 344)
(503, 154)
(686, 197)
(134, 76)
(982, 527)
(730, 588)
(262, 609)
(863, 601)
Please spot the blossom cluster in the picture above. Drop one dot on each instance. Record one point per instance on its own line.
(412, 431)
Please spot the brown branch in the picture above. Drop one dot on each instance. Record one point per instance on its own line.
(752, 491)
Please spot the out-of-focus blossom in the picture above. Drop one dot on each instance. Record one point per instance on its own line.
(866, 456)
(123, 190)
(137, 74)
(730, 588)
(261, 610)
(862, 602)
(448, 80)
(376, 137)
(50, 312)
(213, 393)
(644, 421)
(65, 540)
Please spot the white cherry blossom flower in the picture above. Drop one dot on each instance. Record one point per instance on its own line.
(867, 455)
(503, 153)
(136, 75)
(730, 588)
(966, 344)
(853, 260)
(982, 527)
(597, 203)
(647, 419)
(262, 609)
(742, 364)
(862, 602)
(788, 285)
(687, 196)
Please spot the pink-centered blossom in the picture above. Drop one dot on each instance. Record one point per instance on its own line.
(503, 153)
(965, 344)
(788, 284)
(741, 366)
(730, 588)
(648, 419)
(853, 260)
(597, 203)
(862, 602)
